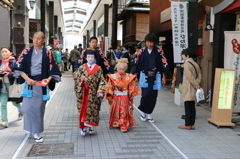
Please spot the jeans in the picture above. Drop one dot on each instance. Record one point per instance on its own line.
(4, 100)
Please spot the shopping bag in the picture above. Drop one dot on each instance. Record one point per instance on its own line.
(26, 91)
(180, 87)
(200, 95)
(15, 91)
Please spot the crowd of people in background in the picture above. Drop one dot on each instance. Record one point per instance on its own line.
(67, 60)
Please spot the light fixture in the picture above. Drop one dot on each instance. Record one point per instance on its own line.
(208, 23)
(208, 27)
(31, 3)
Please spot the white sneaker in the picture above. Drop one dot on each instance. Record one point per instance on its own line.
(4, 124)
(91, 131)
(38, 140)
(150, 120)
(143, 118)
(83, 131)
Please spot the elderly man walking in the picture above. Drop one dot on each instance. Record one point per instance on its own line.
(39, 71)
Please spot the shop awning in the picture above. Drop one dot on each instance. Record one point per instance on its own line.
(222, 6)
(233, 8)
(211, 3)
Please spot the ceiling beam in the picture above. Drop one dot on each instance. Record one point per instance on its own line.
(70, 21)
(87, 1)
(73, 8)
(76, 26)
(79, 21)
(69, 0)
(72, 11)
(73, 31)
(81, 12)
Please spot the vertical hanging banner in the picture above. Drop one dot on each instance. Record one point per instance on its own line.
(179, 29)
(231, 61)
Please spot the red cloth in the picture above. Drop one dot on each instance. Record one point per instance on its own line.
(121, 114)
(6, 63)
(83, 112)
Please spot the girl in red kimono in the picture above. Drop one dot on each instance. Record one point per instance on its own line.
(89, 89)
(120, 90)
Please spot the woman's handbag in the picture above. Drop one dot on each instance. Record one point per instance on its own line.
(14, 92)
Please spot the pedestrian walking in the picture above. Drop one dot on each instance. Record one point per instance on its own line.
(74, 55)
(65, 60)
(80, 49)
(191, 80)
(112, 60)
(6, 77)
(89, 89)
(118, 52)
(36, 64)
(58, 58)
(120, 90)
(62, 56)
(100, 59)
(149, 64)
(126, 54)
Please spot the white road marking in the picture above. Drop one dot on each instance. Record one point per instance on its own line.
(166, 138)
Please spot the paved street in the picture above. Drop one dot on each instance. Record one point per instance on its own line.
(161, 139)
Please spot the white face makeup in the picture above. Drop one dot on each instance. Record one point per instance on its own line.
(90, 59)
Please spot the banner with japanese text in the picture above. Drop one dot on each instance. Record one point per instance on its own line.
(179, 29)
(231, 61)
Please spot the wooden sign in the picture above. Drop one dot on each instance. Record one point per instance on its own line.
(165, 15)
(223, 94)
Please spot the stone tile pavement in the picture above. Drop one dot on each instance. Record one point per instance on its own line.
(161, 139)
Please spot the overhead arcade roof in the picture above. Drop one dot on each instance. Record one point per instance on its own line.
(75, 12)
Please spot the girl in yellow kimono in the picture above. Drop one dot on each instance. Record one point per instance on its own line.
(89, 89)
(120, 90)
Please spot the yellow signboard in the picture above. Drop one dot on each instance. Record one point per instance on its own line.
(224, 83)
(225, 99)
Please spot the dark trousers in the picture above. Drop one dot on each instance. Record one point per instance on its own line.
(190, 112)
(65, 66)
(73, 63)
(149, 97)
(111, 70)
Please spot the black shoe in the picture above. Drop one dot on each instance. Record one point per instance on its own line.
(183, 117)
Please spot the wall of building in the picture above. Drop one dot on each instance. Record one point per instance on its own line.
(110, 22)
(155, 15)
(206, 60)
(142, 26)
(119, 33)
(5, 27)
